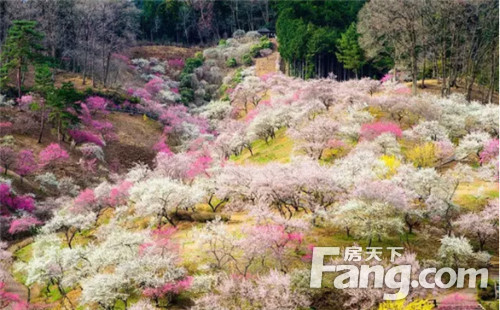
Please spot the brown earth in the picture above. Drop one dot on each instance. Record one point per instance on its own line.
(136, 137)
(161, 52)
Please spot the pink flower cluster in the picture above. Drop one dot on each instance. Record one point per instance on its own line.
(23, 224)
(85, 199)
(458, 301)
(489, 152)
(177, 63)
(26, 163)
(5, 128)
(386, 78)
(11, 203)
(373, 130)
(11, 299)
(25, 100)
(199, 166)
(52, 154)
(119, 194)
(162, 147)
(97, 104)
(154, 86)
(81, 136)
(169, 288)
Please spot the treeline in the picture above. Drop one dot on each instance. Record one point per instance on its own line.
(452, 40)
(77, 35)
(455, 41)
(201, 21)
(87, 36)
(309, 34)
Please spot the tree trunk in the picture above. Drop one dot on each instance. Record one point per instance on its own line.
(414, 71)
(106, 72)
(84, 79)
(423, 74)
(42, 121)
(492, 77)
(19, 82)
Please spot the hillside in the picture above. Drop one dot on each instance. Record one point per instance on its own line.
(204, 179)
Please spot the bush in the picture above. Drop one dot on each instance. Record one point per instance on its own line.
(254, 50)
(231, 63)
(423, 155)
(222, 42)
(487, 293)
(187, 95)
(264, 44)
(253, 35)
(185, 80)
(191, 64)
(239, 34)
(247, 60)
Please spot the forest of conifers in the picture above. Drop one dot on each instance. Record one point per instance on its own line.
(454, 41)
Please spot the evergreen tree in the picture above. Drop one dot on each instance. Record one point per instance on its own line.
(349, 52)
(308, 31)
(20, 50)
(44, 82)
(61, 103)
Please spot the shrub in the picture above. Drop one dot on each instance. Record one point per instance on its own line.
(185, 80)
(264, 44)
(254, 50)
(487, 293)
(391, 162)
(222, 42)
(239, 34)
(247, 60)
(423, 155)
(187, 95)
(231, 63)
(192, 63)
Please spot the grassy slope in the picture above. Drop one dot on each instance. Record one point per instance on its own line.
(470, 196)
(278, 149)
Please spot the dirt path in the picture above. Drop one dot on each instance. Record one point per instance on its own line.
(269, 64)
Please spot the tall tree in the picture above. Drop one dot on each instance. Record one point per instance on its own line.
(350, 53)
(20, 49)
(308, 31)
(393, 27)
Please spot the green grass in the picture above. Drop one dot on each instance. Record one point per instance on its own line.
(328, 237)
(24, 253)
(474, 196)
(490, 305)
(278, 149)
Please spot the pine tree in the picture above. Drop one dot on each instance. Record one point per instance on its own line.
(44, 82)
(20, 49)
(350, 53)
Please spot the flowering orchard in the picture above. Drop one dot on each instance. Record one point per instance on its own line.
(244, 183)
